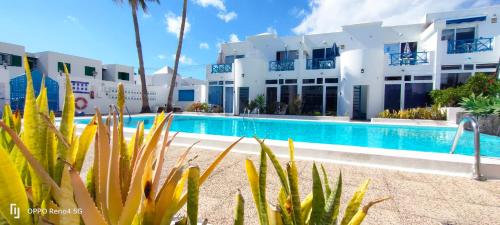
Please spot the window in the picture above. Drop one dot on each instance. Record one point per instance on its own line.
(417, 95)
(312, 99)
(448, 34)
(331, 80)
(390, 78)
(407, 77)
(229, 59)
(16, 60)
(244, 98)
(308, 81)
(426, 77)
(60, 67)
(212, 83)
(451, 67)
(392, 96)
(281, 81)
(290, 81)
(89, 71)
(271, 81)
(221, 82)
(465, 34)
(453, 79)
(319, 80)
(486, 66)
(229, 82)
(287, 55)
(123, 76)
(331, 101)
(186, 95)
(468, 66)
(391, 48)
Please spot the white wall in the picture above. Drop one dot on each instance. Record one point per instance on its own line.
(13, 49)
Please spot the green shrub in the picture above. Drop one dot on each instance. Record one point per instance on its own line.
(480, 83)
(480, 105)
(197, 107)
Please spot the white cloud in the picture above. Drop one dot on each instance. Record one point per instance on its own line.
(271, 30)
(233, 38)
(204, 45)
(161, 56)
(218, 4)
(329, 16)
(226, 17)
(184, 60)
(223, 14)
(173, 23)
(146, 15)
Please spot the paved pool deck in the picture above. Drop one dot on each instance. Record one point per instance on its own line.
(416, 198)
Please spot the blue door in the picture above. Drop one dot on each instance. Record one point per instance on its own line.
(215, 95)
(228, 100)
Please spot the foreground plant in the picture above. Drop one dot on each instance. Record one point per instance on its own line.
(40, 167)
(321, 207)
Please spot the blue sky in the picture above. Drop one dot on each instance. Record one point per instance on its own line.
(103, 29)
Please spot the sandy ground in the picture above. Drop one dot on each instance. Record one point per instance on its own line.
(416, 198)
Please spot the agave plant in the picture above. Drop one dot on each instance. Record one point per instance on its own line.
(321, 207)
(40, 167)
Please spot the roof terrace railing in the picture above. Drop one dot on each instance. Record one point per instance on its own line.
(222, 68)
(315, 64)
(470, 45)
(412, 58)
(285, 65)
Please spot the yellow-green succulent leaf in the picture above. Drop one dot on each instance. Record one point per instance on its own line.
(89, 182)
(12, 193)
(332, 206)
(90, 213)
(239, 210)
(51, 147)
(274, 215)
(279, 169)
(318, 202)
(305, 207)
(193, 194)
(262, 189)
(360, 215)
(291, 149)
(84, 142)
(168, 202)
(7, 117)
(66, 124)
(253, 180)
(294, 193)
(135, 192)
(115, 203)
(67, 201)
(326, 182)
(355, 202)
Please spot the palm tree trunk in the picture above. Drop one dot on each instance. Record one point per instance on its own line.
(177, 56)
(145, 100)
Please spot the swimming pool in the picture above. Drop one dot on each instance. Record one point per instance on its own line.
(396, 137)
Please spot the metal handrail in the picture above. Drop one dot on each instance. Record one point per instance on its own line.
(222, 68)
(470, 45)
(476, 173)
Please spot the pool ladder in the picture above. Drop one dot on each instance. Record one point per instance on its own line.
(476, 173)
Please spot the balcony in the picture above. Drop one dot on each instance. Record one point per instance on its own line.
(286, 65)
(222, 68)
(413, 58)
(470, 45)
(319, 64)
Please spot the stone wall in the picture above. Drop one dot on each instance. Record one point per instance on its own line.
(487, 124)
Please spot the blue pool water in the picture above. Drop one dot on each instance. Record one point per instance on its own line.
(417, 138)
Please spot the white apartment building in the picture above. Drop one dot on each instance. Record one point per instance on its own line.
(359, 71)
(94, 84)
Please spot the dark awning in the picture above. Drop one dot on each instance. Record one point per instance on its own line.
(466, 20)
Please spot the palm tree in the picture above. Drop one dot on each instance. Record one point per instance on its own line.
(177, 56)
(134, 4)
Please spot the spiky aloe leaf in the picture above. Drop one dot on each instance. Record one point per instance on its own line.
(84, 142)
(358, 218)
(115, 203)
(355, 202)
(262, 188)
(66, 124)
(318, 202)
(277, 166)
(333, 204)
(305, 208)
(51, 147)
(239, 212)
(67, 201)
(274, 215)
(90, 213)
(89, 182)
(253, 180)
(135, 192)
(328, 190)
(284, 206)
(167, 204)
(294, 192)
(7, 117)
(12, 192)
(193, 193)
